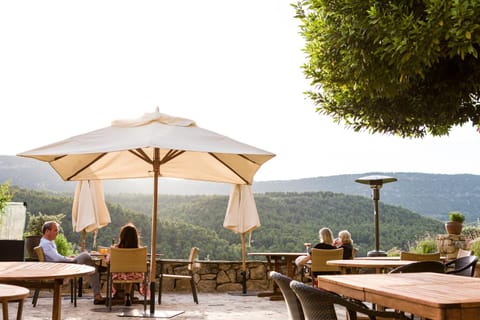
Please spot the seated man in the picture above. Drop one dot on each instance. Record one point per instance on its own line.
(50, 231)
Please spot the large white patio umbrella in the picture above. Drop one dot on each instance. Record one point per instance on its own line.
(242, 217)
(154, 145)
(89, 211)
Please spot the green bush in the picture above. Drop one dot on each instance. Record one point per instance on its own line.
(475, 247)
(64, 247)
(426, 246)
(456, 216)
(35, 222)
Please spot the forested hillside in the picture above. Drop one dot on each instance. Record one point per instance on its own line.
(432, 195)
(288, 220)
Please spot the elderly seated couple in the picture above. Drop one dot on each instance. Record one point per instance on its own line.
(344, 241)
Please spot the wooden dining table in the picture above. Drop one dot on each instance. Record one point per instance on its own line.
(51, 275)
(435, 296)
(275, 261)
(380, 265)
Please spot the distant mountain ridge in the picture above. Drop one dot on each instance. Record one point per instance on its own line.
(432, 195)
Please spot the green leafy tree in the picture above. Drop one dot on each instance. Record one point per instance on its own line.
(408, 68)
(5, 195)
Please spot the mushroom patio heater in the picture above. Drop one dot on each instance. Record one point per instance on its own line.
(376, 182)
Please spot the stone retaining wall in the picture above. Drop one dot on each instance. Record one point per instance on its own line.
(217, 276)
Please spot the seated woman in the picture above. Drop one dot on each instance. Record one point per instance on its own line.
(326, 242)
(345, 241)
(128, 238)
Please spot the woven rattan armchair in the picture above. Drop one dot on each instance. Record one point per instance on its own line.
(293, 304)
(320, 304)
(463, 266)
(421, 266)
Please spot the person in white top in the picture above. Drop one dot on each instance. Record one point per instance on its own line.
(50, 232)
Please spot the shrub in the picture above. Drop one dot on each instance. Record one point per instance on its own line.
(64, 247)
(456, 216)
(35, 222)
(426, 246)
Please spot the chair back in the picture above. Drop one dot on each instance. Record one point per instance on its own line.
(421, 266)
(191, 258)
(39, 252)
(464, 253)
(321, 256)
(314, 302)
(404, 255)
(464, 266)
(293, 304)
(320, 304)
(128, 259)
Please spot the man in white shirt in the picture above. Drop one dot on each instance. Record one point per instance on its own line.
(50, 232)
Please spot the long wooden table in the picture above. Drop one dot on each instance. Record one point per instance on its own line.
(43, 275)
(380, 265)
(275, 261)
(430, 295)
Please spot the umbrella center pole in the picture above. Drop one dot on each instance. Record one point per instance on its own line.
(153, 271)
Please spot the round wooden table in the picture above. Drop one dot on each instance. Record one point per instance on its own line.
(49, 274)
(9, 293)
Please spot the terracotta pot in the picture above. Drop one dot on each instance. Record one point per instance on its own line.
(453, 227)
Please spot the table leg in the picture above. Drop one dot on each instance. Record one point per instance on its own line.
(57, 300)
(19, 310)
(274, 264)
(5, 309)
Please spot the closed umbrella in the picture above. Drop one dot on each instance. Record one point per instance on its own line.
(89, 211)
(242, 217)
(154, 145)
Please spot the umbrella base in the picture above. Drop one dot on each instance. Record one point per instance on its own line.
(244, 294)
(157, 314)
(375, 253)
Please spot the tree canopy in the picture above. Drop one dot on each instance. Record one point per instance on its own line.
(408, 68)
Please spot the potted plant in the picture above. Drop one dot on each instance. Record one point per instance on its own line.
(33, 231)
(454, 226)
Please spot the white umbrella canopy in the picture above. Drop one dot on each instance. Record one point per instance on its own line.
(186, 151)
(242, 217)
(89, 211)
(154, 145)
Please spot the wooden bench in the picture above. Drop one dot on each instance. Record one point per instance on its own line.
(11, 293)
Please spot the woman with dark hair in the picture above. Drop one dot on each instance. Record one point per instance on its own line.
(128, 238)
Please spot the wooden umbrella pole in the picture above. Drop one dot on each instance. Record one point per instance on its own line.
(244, 266)
(244, 254)
(84, 236)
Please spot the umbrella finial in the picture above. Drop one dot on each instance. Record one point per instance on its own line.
(157, 109)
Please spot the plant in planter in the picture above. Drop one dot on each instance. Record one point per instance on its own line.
(33, 231)
(454, 226)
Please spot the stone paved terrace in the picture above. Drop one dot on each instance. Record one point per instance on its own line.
(212, 306)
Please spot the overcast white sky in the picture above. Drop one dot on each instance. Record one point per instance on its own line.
(69, 67)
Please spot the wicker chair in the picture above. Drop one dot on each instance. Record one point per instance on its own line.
(175, 277)
(421, 266)
(127, 260)
(73, 282)
(464, 253)
(404, 255)
(320, 304)
(293, 304)
(464, 266)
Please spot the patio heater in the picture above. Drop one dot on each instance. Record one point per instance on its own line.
(376, 182)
